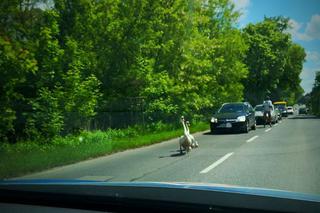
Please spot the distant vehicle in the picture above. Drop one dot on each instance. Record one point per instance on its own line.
(303, 110)
(290, 110)
(278, 112)
(259, 115)
(234, 116)
(282, 106)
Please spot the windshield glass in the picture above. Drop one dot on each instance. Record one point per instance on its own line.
(280, 106)
(259, 108)
(126, 91)
(231, 108)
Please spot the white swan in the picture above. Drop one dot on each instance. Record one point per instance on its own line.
(194, 143)
(185, 140)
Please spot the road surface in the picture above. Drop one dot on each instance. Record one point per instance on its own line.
(286, 157)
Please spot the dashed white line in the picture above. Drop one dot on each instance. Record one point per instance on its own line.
(225, 157)
(267, 130)
(251, 139)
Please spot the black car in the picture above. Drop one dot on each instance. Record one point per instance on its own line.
(234, 116)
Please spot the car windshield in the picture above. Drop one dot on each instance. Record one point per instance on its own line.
(132, 91)
(231, 108)
(280, 106)
(259, 108)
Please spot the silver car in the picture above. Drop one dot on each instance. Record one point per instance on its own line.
(259, 115)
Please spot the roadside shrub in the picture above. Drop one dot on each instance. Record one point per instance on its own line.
(93, 137)
(121, 133)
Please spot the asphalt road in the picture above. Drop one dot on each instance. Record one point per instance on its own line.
(286, 157)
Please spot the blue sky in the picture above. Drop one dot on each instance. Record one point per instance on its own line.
(305, 21)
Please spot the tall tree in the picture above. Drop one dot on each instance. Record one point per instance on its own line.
(315, 95)
(274, 61)
(289, 84)
(17, 62)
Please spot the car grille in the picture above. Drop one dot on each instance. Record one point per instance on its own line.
(226, 120)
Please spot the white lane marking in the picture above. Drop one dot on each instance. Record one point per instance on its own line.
(276, 125)
(216, 163)
(267, 130)
(251, 139)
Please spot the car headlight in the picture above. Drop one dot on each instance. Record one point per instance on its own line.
(241, 119)
(214, 120)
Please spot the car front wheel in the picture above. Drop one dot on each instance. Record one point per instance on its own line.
(254, 126)
(246, 127)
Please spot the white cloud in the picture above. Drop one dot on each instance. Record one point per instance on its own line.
(242, 6)
(307, 76)
(313, 56)
(295, 30)
(313, 27)
(311, 31)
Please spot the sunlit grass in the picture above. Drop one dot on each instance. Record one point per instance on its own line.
(27, 157)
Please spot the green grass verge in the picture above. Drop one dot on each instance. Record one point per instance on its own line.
(28, 157)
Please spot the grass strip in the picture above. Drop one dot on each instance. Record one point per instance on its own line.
(29, 157)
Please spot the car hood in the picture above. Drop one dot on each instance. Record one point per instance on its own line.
(232, 115)
(204, 194)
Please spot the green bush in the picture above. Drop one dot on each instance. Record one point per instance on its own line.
(31, 156)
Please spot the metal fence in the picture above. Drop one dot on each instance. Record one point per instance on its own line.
(105, 120)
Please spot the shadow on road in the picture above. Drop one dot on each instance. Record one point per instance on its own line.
(221, 132)
(175, 154)
(261, 126)
(178, 154)
(178, 150)
(304, 117)
(208, 133)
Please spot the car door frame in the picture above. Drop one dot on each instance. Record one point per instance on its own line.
(251, 115)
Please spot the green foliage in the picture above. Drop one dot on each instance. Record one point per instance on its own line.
(64, 63)
(289, 85)
(67, 96)
(86, 145)
(47, 117)
(315, 95)
(15, 63)
(80, 93)
(200, 63)
(274, 62)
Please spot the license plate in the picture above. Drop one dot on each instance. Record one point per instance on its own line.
(226, 125)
